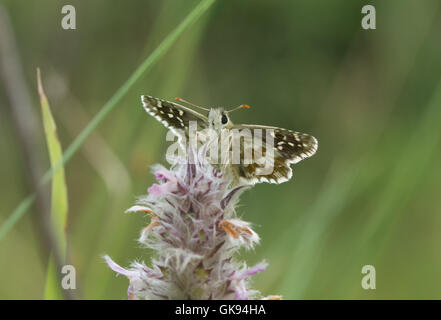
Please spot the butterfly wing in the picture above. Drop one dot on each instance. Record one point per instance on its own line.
(289, 147)
(173, 115)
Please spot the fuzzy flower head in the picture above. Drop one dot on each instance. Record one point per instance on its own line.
(195, 234)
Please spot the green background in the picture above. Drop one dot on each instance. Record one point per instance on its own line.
(372, 98)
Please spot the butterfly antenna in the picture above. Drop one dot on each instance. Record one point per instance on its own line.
(238, 107)
(192, 104)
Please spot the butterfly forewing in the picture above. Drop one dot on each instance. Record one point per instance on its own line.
(172, 115)
(289, 147)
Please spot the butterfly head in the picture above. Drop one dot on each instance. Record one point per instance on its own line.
(218, 119)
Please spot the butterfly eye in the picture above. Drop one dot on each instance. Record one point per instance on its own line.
(224, 119)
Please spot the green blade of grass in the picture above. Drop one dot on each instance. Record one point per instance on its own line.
(104, 111)
(59, 204)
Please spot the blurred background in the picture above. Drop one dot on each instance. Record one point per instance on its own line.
(370, 196)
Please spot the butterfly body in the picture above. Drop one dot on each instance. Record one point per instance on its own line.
(287, 147)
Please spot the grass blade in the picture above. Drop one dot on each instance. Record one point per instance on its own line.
(59, 204)
(109, 106)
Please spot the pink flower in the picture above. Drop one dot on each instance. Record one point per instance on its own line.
(195, 233)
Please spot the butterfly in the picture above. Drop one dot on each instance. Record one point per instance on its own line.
(289, 147)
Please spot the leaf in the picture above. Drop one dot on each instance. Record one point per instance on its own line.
(59, 204)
